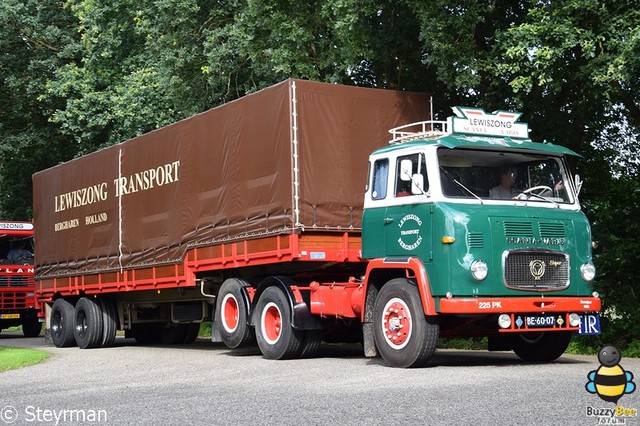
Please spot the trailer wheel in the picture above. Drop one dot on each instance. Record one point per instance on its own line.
(541, 347)
(61, 319)
(109, 322)
(31, 327)
(232, 314)
(277, 339)
(88, 325)
(404, 336)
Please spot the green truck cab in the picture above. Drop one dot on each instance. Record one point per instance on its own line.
(494, 220)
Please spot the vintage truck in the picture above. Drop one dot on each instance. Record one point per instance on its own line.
(287, 218)
(17, 278)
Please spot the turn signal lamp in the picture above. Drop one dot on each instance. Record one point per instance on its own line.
(448, 239)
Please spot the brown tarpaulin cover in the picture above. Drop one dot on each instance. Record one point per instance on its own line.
(226, 174)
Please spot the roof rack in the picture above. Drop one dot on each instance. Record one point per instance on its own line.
(419, 130)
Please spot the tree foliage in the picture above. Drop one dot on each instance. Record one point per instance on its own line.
(78, 75)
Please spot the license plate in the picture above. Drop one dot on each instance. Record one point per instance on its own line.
(536, 321)
(9, 316)
(589, 324)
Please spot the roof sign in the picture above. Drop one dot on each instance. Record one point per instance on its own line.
(475, 121)
(16, 226)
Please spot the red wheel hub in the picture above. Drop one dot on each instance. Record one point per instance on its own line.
(230, 313)
(396, 323)
(271, 323)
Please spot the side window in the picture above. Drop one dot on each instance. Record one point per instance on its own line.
(411, 175)
(380, 179)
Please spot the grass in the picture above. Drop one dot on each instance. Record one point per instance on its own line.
(12, 358)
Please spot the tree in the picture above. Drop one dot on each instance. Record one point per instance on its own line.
(572, 68)
(83, 74)
(35, 39)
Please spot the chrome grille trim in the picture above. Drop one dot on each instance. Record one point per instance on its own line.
(535, 270)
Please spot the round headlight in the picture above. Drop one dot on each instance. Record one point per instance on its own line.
(588, 272)
(479, 270)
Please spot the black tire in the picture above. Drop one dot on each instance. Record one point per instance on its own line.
(31, 328)
(277, 339)
(174, 335)
(61, 322)
(232, 315)
(147, 334)
(87, 324)
(404, 336)
(193, 330)
(109, 322)
(310, 343)
(541, 347)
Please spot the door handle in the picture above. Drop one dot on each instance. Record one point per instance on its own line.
(388, 220)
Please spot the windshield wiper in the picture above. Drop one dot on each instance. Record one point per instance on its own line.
(544, 199)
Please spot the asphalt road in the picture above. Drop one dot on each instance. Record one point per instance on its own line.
(205, 383)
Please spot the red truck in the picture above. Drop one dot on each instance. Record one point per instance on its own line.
(287, 219)
(17, 285)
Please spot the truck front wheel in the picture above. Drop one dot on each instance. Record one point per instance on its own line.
(31, 327)
(61, 320)
(404, 336)
(277, 339)
(541, 347)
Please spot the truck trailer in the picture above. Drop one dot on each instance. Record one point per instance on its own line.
(310, 212)
(17, 278)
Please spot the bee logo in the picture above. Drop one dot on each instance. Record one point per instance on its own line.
(610, 381)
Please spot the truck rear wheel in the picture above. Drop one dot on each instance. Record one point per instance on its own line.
(88, 324)
(109, 322)
(61, 320)
(232, 314)
(277, 339)
(541, 347)
(31, 327)
(404, 336)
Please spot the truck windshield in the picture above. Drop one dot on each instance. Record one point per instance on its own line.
(503, 175)
(16, 250)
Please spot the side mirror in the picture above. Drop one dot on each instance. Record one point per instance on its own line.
(417, 184)
(406, 168)
(578, 182)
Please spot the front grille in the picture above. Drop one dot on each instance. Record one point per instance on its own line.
(15, 281)
(14, 300)
(536, 270)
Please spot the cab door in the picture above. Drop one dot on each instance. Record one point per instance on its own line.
(407, 220)
(373, 218)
